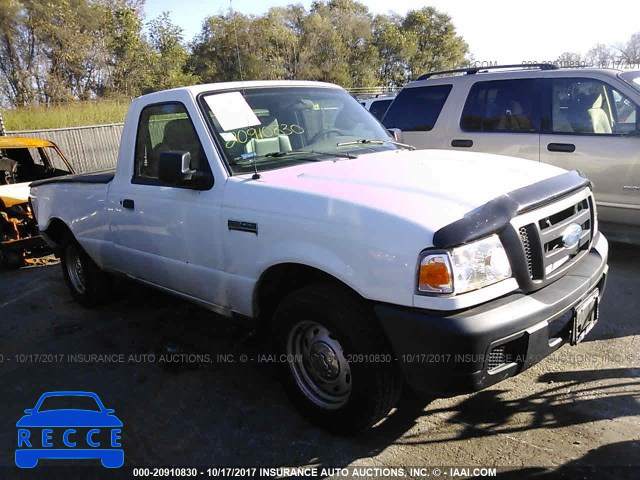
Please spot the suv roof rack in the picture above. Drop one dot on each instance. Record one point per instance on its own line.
(474, 70)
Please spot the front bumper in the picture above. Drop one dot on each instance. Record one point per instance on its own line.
(472, 349)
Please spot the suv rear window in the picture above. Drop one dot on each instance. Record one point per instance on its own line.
(417, 109)
(502, 106)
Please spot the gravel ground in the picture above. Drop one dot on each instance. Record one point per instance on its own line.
(578, 408)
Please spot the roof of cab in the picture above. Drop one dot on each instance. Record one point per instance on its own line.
(211, 87)
(23, 142)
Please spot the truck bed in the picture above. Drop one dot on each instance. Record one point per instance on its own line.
(97, 177)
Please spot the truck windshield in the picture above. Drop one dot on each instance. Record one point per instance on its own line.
(275, 127)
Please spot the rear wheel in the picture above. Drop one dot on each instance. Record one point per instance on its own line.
(88, 284)
(334, 360)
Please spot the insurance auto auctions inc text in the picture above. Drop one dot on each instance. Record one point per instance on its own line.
(373, 472)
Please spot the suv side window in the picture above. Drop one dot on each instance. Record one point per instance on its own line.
(589, 106)
(417, 109)
(164, 127)
(379, 108)
(502, 106)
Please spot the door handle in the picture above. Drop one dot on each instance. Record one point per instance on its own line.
(561, 147)
(462, 143)
(127, 203)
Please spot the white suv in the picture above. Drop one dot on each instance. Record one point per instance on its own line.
(583, 118)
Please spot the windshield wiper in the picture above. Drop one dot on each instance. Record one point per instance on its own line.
(376, 142)
(310, 152)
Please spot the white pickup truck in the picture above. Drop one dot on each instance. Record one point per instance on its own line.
(372, 265)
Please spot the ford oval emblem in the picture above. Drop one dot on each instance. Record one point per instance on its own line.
(571, 235)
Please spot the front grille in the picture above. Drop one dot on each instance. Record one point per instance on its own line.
(526, 244)
(550, 237)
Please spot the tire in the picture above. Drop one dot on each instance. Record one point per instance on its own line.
(87, 283)
(320, 329)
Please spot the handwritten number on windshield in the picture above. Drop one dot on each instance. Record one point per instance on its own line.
(245, 135)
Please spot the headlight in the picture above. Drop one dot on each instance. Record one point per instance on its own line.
(464, 268)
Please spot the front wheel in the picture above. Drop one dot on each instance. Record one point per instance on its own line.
(335, 362)
(87, 283)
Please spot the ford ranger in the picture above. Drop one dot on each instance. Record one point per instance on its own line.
(372, 265)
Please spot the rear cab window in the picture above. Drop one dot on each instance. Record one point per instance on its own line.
(502, 106)
(417, 109)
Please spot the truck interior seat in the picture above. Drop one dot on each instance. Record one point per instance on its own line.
(271, 141)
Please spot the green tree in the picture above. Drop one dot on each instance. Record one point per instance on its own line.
(227, 48)
(129, 55)
(169, 56)
(20, 52)
(281, 30)
(438, 47)
(337, 44)
(71, 37)
(395, 47)
(323, 55)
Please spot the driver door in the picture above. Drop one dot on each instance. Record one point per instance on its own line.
(166, 235)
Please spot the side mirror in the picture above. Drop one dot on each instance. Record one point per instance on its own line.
(396, 133)
(174, 168)
(109, 411)
(29, 411)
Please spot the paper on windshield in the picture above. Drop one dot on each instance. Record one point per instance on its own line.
(231, 110)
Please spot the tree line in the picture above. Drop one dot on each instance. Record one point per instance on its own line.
(61, 50)
(620, 55)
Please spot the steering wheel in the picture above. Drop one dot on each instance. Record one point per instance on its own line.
(325, 134)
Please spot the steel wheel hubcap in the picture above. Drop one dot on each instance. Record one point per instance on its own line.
(75, 270)
(318, 364)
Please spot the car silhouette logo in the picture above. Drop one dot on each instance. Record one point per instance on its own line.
(571, 235)
(69, 433)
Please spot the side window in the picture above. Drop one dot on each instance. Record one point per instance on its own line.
(502, 106)
(379, 108)
(165, 127)
(588, 106)
(625, 112)
(417, 109)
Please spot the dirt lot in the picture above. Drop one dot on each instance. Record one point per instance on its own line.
(580, 407)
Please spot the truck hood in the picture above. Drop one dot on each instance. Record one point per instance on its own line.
(428, 187)
(14, 194)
